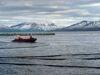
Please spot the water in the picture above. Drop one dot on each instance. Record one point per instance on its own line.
(66, 53)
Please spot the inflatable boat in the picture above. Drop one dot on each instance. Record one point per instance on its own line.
(25, 40)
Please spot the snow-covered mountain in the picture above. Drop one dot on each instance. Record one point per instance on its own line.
(34, 26)
(4, 28)
(83, 26)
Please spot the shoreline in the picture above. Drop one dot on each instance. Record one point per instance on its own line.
(25, 33)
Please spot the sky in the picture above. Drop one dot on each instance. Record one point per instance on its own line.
(60, 12)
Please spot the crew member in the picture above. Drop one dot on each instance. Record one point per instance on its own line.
(19, 37)
(30, 36)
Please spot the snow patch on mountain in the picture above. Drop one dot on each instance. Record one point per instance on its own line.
(3, 26)
(39, 26)
(85, 25)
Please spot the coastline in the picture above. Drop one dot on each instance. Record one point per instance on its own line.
(25, 33)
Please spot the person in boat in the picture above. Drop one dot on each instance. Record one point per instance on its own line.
(21, 38)
(30, 36)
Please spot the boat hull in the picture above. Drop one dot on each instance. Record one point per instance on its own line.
(25, 40)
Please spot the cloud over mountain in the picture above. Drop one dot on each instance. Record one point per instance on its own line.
(50, 10)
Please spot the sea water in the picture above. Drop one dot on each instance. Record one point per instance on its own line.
(66, 53)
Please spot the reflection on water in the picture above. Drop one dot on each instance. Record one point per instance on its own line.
(66, 53)
(10, 45)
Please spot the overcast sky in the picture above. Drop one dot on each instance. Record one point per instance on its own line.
(61, 12)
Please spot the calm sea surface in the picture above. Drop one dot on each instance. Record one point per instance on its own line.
(66, 53)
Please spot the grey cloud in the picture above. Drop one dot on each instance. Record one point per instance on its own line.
(15, 10)
(45, 8)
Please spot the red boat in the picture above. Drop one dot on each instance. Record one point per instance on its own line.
(20, 39)
(25, 40)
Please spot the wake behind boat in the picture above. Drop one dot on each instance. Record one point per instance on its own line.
(21, 39)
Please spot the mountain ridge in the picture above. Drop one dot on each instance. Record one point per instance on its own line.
(41, 27)
(82, 26)
(29, 27)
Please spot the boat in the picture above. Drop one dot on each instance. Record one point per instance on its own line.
(32, 40)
